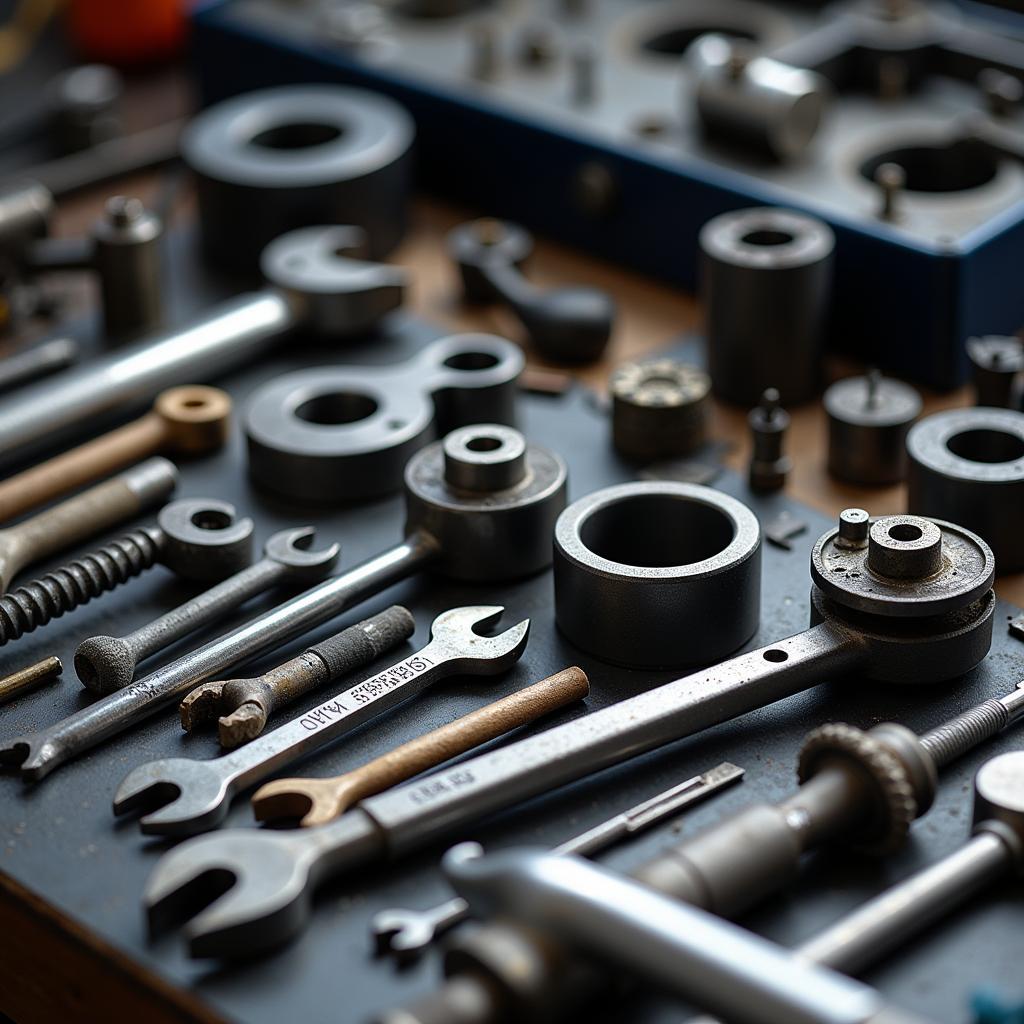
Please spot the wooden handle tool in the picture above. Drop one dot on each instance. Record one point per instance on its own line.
(317, 801)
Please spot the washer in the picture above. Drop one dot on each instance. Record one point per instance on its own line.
(658, 574)
(967, 466)
(345, 433)
(272, 160)
(766, 282)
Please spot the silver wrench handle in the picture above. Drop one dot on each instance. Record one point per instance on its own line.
(336, 716)
(226, 337)
(417, 812)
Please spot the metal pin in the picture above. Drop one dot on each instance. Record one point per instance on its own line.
(26, 678)
(891, 179)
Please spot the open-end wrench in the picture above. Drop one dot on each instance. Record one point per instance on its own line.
(107, 663)
(407, 933)
(491, 520)
(201, 791)
(310, 285)
(903, 629)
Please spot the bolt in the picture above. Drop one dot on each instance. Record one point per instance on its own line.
(24, 679)
(891, 180)
(768, 425)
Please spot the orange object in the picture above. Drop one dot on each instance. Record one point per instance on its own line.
(127, 31)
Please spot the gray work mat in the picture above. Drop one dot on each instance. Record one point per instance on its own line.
(60, 840)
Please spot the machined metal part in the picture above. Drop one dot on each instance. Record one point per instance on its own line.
(660, 409)
(843, 642)
(204, 788)
(756, 102)
(655, 574)
(26, 209)
(242, 706)
(196, 538)
(766, 286)
(480, 535)
(312, 284)
(997, 363)
(107, 663)
(185, 421)
(318, 801)
(570, 324)
(28, 678)
(116, 500)
(869, 418)
(126, 252)
(345, 433)
(769, 465)
(406, 933)
(273, 160)
(967, 465)
(993, 854)
(39, 361)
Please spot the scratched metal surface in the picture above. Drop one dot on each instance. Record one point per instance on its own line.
(60, 840)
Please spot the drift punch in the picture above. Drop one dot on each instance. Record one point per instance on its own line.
(481, 505)
(891, 615)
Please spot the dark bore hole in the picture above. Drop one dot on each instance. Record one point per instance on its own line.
(471, 361)
(767, 237)
(905, 531)
(656, 531)
(953, 168)
(987, 446)
(296, 136)
(211, 519)
(675, 41)
(776, 656)
(335, 409)
(483, 444)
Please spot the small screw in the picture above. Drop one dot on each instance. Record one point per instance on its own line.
(891, 180)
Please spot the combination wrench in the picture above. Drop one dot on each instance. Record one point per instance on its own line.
(309, 285)
(204, 788)
(481, 506)
(910, 623)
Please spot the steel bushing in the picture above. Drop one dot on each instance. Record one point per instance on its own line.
(658, 574)
(269, 161)
(490, 498)
(766, 280)
(967, 465)
(660, 409)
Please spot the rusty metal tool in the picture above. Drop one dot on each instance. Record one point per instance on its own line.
(317, 801)
(25, 678)
(200, 791)
(244, 705)
(190, 420)
(121, 498)
(407, 933)
(108, 663)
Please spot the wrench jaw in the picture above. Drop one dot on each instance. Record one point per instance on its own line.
(403, 934)
(32, 755)
(455, 632)
(291, 550)
(179, 797)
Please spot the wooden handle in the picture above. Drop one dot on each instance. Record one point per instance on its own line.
(323, 800)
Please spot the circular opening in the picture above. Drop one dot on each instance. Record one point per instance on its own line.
(297, 136)
(194, 403)
(767, 237)
(953, 168)
(776, 656)
(985, 445)
(211, 519)
(905, 532)
(484, 444)
(337, 408)
(657, 531)
(676, 40)
(471, 361)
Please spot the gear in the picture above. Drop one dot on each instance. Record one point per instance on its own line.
(897, 804)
